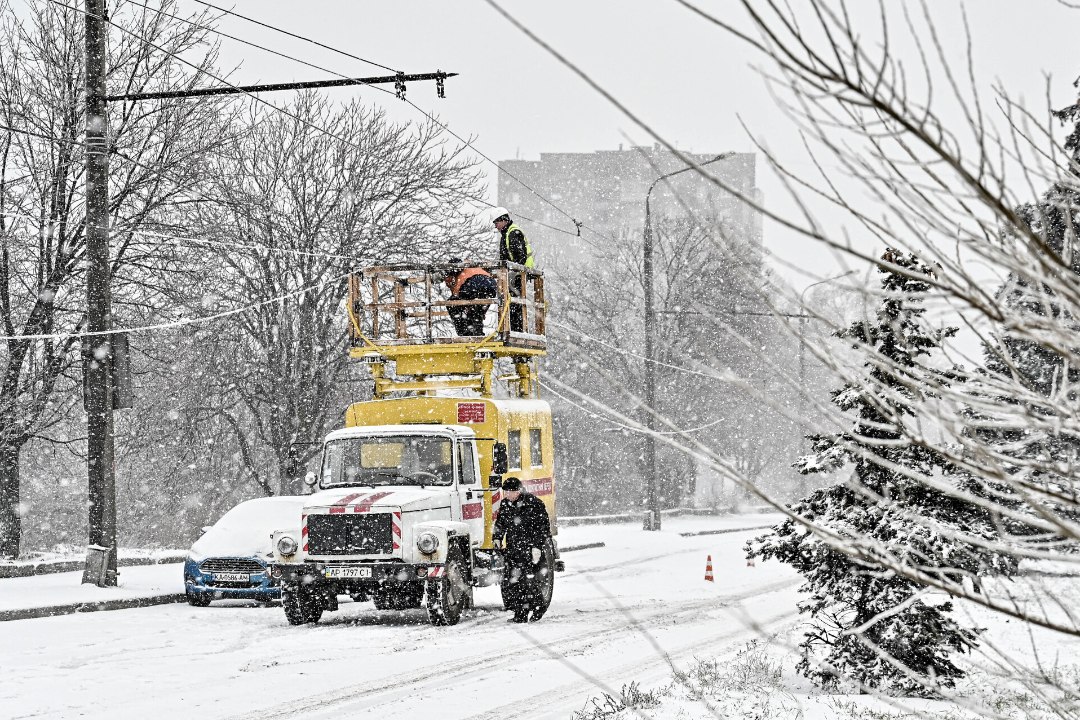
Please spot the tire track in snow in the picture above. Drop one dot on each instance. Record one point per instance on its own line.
(440, 675)
(571, 696)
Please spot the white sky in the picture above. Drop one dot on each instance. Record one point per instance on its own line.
(688, 79)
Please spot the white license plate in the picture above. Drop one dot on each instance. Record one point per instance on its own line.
(232, 577)
(348, 572)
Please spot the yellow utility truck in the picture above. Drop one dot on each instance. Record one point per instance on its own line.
(409, 489)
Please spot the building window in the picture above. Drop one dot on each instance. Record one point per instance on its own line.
(513, 450)
(535, 448)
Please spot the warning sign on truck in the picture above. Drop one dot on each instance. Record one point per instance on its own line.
(470, 412)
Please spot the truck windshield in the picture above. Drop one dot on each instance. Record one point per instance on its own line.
(388, 460)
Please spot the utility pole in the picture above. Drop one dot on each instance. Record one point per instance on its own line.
(652, 516)
(101, 381)
(97, 347)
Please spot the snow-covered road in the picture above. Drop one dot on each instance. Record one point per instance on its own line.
(621, 613)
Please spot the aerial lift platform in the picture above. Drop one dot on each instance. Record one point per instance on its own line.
(401, 313)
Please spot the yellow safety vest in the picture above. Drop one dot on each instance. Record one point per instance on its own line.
(529, 261)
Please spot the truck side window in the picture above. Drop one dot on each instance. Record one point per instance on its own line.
(467, 463)
(513, 450)
(536, 451)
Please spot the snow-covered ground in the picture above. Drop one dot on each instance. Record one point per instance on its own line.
(620, 612)
(636, 611)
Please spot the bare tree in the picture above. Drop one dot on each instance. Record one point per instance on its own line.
(154, 149)
(305, 197)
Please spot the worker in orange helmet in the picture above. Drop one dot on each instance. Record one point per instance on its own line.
(469, 283)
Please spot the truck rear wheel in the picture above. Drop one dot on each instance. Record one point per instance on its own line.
(301, 606)
(448, 595)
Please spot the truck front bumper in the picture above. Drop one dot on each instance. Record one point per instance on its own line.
(354, 574)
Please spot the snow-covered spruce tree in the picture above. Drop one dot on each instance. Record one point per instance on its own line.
(869, 624)
(1039, 457)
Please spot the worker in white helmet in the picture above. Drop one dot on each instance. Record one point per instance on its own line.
(513, 247)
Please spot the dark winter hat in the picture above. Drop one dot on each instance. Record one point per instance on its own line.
(512, 483)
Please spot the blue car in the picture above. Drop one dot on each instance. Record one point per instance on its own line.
(230, 559)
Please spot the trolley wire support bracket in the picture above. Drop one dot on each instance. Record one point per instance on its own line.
(398, 80)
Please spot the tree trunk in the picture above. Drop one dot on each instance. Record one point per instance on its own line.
(10, 517)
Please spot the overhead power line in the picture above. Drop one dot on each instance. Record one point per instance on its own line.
(578, 225)
(294, 35)
(183, 321)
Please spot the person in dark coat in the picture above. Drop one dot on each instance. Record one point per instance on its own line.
(469, 283)
(524, 525)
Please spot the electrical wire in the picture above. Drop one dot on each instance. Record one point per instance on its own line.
(43, 136)
(431, 118)
(216, 31)
(619, 425)
(183, 241)
(328, 133)
(298, 37)
(184, 321)
(623, 351)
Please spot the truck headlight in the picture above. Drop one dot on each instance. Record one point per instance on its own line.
(427, 543)
(286, 545)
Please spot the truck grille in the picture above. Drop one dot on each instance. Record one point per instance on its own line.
(353, 534)
(230, 565)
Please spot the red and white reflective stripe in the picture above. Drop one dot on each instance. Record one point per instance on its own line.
(436, 572)
(365, 505)
(395, 524)
(339, 506)
(303, 529)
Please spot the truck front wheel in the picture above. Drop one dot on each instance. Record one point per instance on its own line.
(301, 605)
(448, 595)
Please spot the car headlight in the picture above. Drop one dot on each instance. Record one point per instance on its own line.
(286, 545)
(427, 543)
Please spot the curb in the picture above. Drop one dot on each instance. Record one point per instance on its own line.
(586, 546)
(72, 608)
(725, 531)
(574, 520)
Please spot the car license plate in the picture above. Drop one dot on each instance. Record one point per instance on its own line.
(232, 577)
(348, 572)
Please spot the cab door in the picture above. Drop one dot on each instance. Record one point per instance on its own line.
(470, 492)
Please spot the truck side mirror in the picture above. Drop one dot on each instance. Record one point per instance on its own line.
(310, 479)
(498, 459)
(495, 481)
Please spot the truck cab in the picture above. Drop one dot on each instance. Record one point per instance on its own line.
(407, 492)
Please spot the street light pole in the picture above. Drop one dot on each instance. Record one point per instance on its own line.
(802, 369)
(652, 517)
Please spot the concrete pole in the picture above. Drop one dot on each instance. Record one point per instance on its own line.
(97, 351)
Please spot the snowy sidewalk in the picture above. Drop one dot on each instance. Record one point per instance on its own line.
(63, 593)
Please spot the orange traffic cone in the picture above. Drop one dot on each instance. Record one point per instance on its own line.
(708, 569)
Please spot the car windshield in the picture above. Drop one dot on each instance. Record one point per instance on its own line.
(388, 460)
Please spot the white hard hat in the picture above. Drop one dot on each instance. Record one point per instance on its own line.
(498, 212)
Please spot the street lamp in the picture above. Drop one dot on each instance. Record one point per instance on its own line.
(652, 521)
(802, 367)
